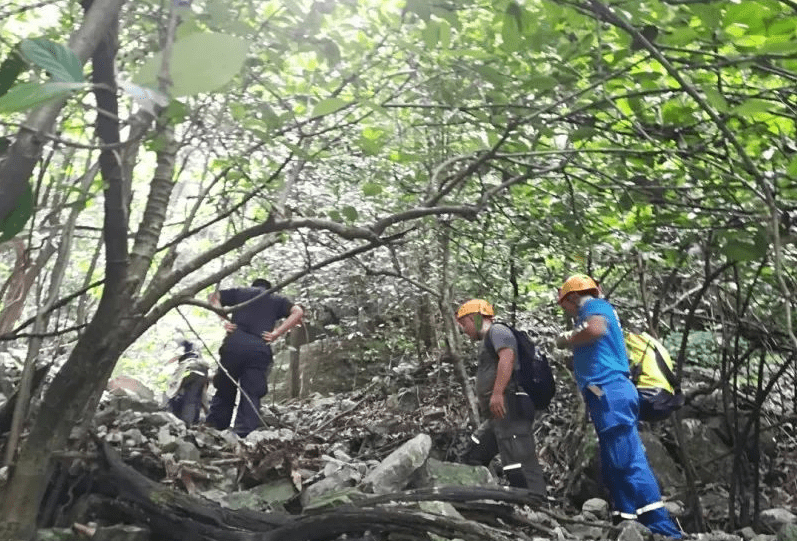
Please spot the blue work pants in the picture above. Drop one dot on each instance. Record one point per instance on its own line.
(635, 494)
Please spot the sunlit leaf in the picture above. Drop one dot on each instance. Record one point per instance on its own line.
(511, 29)
(200, 62)
(59, 61)
(755, 105)
(371, 189)
(431, 34)
(792, 168)
(715, 99)
(743, 246)
(542, 82)
(29, 95)
(329, 106)
(349, 212)
(421, 8)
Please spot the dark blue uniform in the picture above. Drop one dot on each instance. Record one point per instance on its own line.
(247, 358)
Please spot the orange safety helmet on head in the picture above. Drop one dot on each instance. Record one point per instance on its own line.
(474, 306)
(578, 283)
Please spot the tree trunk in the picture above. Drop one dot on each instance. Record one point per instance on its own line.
(81, 380)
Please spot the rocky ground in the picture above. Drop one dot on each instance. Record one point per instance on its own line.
(376, 463)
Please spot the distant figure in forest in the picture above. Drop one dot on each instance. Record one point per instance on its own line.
(246, 354)
(600, 366)
(507, 408)
(188, 384)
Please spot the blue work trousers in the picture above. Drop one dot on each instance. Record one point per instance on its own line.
(614, 409)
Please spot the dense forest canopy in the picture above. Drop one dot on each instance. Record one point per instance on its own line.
(392, 157)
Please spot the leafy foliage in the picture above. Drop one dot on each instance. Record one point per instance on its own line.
(385, 157)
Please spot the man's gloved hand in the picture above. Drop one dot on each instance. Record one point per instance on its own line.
(562, 340)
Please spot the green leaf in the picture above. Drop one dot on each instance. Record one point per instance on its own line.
(743, 246)
(783, 44)
(680, 36)
(372, 189)
(329, 50)
(626, 202)
(17, 218)
(218, 11)
(715, 99)
(736, 250)
(444, 34)
(792, 168)
(349, 212)
(490, 74)
(754, 105)
(584, 132)
(60, 62)
(29, 95)
(238, 111)
(431, 34)
(420, 7)
(329, 106)
(335, 216)
(200, 62)
(542, 82)
(510, 29)
(176, 111)
(10, 69)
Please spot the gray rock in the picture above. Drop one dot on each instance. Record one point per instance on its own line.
(344, 496)
(436, 473)
(675, 508)
(787, 532)
(404, 400)
(133, 437)
(586, 531)
(748, 534)
(662, 464)
(318, 494)
(262, 497)
(259, 436)
(160, 418)
(166, 440)
(711, 457)
(775, 519)
(394, 472)
(598, 507)
(56, 534)
(716, 536)
(631, 530)
(440, 508)
(121, 532)
(186, 451)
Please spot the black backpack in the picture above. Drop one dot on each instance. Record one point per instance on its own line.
(534, 371)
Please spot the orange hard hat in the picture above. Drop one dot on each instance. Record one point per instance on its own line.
(577, 283)
(475, 306)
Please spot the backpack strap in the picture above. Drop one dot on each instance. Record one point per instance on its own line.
(488, 340)
(671, 379)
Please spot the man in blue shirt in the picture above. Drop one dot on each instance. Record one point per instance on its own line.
(600, 366)
(245, 352)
